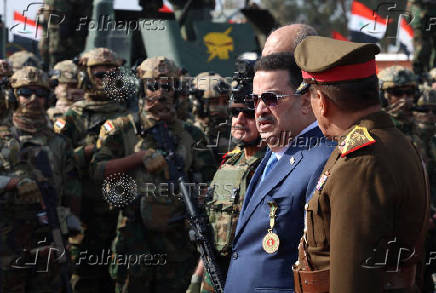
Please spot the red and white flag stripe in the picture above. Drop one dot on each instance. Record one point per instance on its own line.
(405, 34)
(167, 7)
(26, 27)
(367, 21)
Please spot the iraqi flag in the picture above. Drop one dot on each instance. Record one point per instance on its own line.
(405, 36)
(338, 36)
(166, 7)
(25, 27)
(365, 25)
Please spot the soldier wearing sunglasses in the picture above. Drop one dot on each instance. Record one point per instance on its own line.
(27, 208)
(399, 89)
(227, 189)
(81, 125)
(154, 151)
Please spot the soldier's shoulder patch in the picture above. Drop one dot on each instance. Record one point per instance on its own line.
(108, 126)
(59, 125)
(357, 138)
(229, 155)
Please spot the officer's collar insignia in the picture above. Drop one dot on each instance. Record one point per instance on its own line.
(322, 179)
(59, 125)
(357, 138)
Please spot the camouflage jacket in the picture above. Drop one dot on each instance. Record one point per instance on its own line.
(82, 124)
(65, 176)
(158, 208)
(24, 224)
(227, 191)
(218, 137)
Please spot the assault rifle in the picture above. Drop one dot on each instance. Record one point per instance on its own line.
(200, 233)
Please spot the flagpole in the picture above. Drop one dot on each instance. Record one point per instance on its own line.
(4, 33)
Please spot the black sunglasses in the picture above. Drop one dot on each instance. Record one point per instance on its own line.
(248, 113)
(26, 92)
(100, 74)
(399, 92)
(156, 86)
(270, 99)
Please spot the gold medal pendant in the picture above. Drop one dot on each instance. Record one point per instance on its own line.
(271, 240)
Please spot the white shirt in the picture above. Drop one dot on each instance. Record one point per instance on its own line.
(280, 153)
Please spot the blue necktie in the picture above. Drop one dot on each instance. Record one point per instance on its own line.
(272, 161)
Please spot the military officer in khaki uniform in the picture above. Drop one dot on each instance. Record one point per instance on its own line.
(367, 217)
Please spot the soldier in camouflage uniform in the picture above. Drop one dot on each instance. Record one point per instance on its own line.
(399, 88)
(210, 109)
(227, 189)
(24, 58)
(432, 78)
(425, 119)
(154, 151)
(25, 230)
(63, 37)
(82, 124)
(66, 91)
(424, 12)
(5, 73)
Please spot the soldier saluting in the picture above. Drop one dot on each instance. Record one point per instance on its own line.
(366, 219)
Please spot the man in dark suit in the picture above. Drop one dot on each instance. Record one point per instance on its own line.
(271, 219)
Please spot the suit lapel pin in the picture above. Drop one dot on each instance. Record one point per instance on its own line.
(292, 160)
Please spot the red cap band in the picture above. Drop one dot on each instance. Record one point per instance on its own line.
(344, 72)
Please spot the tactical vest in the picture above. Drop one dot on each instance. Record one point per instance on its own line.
(22, 223)
(227, 191)
(161, 206)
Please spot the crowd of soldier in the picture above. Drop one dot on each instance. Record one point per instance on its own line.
(87, 136)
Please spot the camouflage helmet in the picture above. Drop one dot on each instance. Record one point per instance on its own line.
(29, 75)
(212, 84)
(65, 72)
(432, 74)
(396, 76)
(156, 67)
(427, 99)
(5, 68)
(100, 56)
(24, 58)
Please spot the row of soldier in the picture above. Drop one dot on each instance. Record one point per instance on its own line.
(92, 137)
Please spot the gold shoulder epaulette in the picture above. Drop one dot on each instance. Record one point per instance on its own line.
(357, 138)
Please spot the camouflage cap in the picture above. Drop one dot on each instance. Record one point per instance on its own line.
(159, 66)
(29, 75)
(394, 76)
(427, 99)
(5, 68)
(24, 58)
(213, 85)
(100, 56)
(65, 72)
